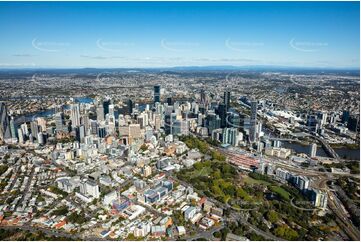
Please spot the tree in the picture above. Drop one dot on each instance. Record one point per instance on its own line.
(286, 232)
(144, 147)
(63, 210)
(272, 216)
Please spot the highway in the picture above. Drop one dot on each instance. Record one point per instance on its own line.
(342, 219)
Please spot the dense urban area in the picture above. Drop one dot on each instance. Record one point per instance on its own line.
(179, 154)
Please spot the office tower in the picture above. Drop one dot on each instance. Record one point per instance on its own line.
(40, 138)
(157, 122)
(82, 133)
(102, 132)
(353, 123)
(111, 110)
(59, 122)
(180, 127)
(134, 131)
(13, 128)
(100, 112)
(75, 115)
(212, 122)
(233, 120)
(313, 150)
(41, 124)
(253, 128)
(130, 107)
(21, 136)
(140, 121)
(230, 136)
(5, 132)
(111, 123)
(203, 97)
(157, 94)
(86, 122)
(169, 101)
(94, 127)
(34, 129)
(322, 117)
(106, 106)
(24, 128)
(345, 116)
(222, 112)
(227, 99)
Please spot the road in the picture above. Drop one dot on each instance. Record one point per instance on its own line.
(208, 234)
(49, 232)
(343, 221)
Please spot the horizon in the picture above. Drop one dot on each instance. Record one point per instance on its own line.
(73, 35)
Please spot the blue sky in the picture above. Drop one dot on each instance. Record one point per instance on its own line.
(160, 34)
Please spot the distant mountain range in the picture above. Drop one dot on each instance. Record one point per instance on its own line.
(254, 68)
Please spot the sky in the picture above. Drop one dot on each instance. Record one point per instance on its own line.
(167, 34)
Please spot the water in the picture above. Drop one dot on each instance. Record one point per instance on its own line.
(343, 152)
(49, 112)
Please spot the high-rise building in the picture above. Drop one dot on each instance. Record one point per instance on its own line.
(106, 106)
(111, 110)
(157, 94)
(129, 107)
(253, 127)
(230, 136)
(21, 136)
(222, 112)
(319, 198)
(5, 132)
(134, 131)
(59, 122)
(227, 99)
(13, 128)
(353, 123)
(40, 138)
(345, 116)
(94, 127)
(212, 122)
(313, 150)
(41, 124)
(100, 112)
(75, 115)
(34, 129)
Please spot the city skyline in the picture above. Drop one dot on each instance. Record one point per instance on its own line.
(168, 34)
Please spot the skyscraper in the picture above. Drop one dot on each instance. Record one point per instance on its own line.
(59, 122)
(227, 99)
(222, 112)
(313, 150)
(253, 128)
(13, 128)
(156, 94)
(106, 105)
(130, 107)
(34, 129)
(75, 115)
(100, 112)
(5, 132)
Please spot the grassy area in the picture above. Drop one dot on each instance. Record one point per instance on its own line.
(250, 181)
(281, 192)
(205, 171)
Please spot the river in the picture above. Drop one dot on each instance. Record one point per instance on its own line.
(343, 152)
